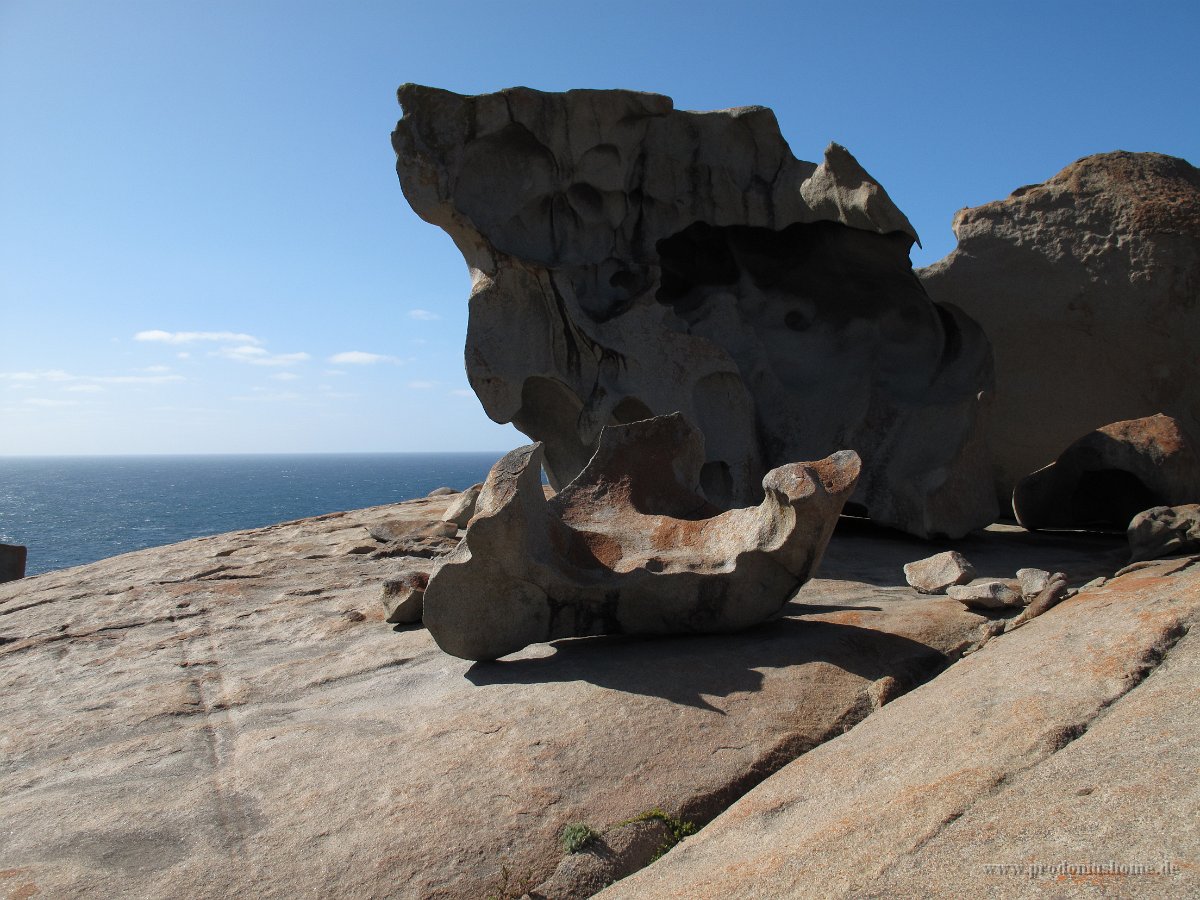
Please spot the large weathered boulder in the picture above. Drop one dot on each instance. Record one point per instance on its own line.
(631, 260)
(1107, 477)
(1087, 286)
(629, 547)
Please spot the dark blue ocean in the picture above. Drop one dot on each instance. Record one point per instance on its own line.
(74, 510)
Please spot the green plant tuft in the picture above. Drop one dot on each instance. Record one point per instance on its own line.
(577, 836)
(678, 828)
(511, 886)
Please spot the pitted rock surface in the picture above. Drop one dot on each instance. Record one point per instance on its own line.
(629, 547)
(1087, 287)
(631, 260)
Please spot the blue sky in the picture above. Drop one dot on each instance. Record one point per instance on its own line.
(204, 248)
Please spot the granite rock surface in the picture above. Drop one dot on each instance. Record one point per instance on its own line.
(1087, 287)
(629, 547)
(1105, 478)
(231, 715)
(1037, 767)
(629, 260)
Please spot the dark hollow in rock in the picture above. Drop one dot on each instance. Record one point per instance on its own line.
(1107, 477)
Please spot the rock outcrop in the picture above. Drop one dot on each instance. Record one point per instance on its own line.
(12, 562)
(987, 593)
(1058, 761)
(629, 547)
(1164, 531)
(230, 715)
(1107, 477)
(630, 260)
(1087, 286)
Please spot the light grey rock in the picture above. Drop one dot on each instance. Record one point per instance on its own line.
(985, 593)
(1032, 582)
(12, 562)
(1108, 476)
(1098, 581)
(460, 511)
(1086, 286)
(631, 260)
(1054, 589)
(442, 492)
(403, 596)
(938, 572)
(1164, 531)
(414, 538)
(629, 547)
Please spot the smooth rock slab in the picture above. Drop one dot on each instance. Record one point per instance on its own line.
(231, 716)
(1070, 740)
(987, 594)
(463, 507)
(629, 547)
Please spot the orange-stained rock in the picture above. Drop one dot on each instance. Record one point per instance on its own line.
(1057, 761)
(1086, 286)
(1107, 477)
(629, 547)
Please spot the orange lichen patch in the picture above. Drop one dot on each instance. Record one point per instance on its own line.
(675, 533)
(24, 891)
(589, 548)
(835, 477)
(1154, 434)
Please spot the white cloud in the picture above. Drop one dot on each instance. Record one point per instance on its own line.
(261, 394)
(58, 376)
(334, 372)
(423, 315)
(49, 403)
(422, 385)
(257, 356)
(183, 354)
(463, 392)
(284, 376)
(156, 369)
(188, 337)
(84, 388)
(360, 358)
(133, 379)
(39, 375)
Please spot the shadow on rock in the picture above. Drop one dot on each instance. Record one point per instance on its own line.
(687, 670)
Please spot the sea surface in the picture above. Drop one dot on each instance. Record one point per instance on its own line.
(74, 510)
